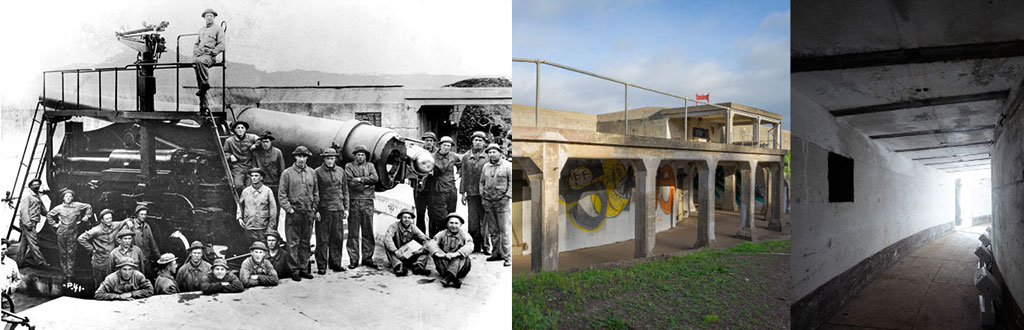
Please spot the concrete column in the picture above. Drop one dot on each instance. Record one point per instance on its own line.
(691, 195)
(728, 201)
(727, 130)
(775, 220)
(647, 208)
(778, 135)
(757, 132)
(706, 209)
(544, 224)
(747, 172)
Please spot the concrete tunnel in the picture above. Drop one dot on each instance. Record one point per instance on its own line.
(906, 147)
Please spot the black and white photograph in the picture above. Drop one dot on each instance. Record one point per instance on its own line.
(252, 165)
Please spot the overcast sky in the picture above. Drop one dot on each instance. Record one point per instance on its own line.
(737, 51)
(354, 37)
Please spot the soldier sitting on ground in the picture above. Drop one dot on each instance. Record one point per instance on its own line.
(404, 245)
(452, 256)
(256, 269)
(220, 280)
(127, 283)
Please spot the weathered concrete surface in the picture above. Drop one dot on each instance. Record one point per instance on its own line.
(929, 289)
(678, 240)
(356, 299)
(526, 115)
(894, 197)
(1008, 194)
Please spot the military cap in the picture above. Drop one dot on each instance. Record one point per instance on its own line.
(329, 152)
(127, 262)
(479, 134)
(220, 262)
(258, 245)
(302, 150)
(195, 245)
(166, 258)
(429, 135)
(454, 215)
(105, 212)
(276, 234)
(124, 233)
(209, 10)
(235, 124)
(492, 146)
(267, 136)
(361, 148)
(67, 191)
(257, 170)
(404, 211)
(446, 139)
(141, 207)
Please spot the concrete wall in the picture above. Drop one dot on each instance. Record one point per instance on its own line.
(893, 198)
(1008, 194)
(597, 203)
(523, 115)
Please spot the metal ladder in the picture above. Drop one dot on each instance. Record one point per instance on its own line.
(219, 139)
(32, 168)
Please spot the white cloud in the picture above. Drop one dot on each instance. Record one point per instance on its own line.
(759, 78)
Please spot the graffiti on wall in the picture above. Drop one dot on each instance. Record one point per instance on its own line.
(594, 190)
(666, 191)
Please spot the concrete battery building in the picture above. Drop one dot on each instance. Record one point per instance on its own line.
(582, 183)
(893, 102)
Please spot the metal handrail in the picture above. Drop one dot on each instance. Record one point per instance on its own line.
(626, 85)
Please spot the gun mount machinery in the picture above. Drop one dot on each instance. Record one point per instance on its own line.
(172, 161)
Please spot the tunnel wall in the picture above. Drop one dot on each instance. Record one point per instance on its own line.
(597, 203)
(1008, 195)
(837, 247)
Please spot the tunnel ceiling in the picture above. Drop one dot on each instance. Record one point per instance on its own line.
(926, 79)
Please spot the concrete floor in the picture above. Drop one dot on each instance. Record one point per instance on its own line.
(932, 288)
(678, 240)
(359, 299)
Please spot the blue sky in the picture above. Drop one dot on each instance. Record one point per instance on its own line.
(737, 51)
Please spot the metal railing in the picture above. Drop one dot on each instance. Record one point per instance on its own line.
(625, 110)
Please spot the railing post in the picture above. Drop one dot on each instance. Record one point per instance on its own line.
(115, 89)
(625, 110)
(686, 120)
(99, 97)
(536, 101)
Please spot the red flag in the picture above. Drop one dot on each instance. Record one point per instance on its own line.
(705, 97)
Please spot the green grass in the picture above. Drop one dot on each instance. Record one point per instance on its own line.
(684, 291)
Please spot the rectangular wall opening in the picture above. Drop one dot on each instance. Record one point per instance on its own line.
(840, 178)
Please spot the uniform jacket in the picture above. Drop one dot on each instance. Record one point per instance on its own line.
(496, 180)
(113, 286)
(298, 189)
(144, 238)
(165, 284)
(265, 272)
(213, 285)
(367, 175)
(257, 208)
(460, 242)
(240, 148)
(443, 179)
(271, 162)
(31, 210)
(210, 41)
(100, 240)
(472, 163)
(190, 278)
(135, 253)
(397, 236)
(66, 216)
(333, 189)
(280, 262)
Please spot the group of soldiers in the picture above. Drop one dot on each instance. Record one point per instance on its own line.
(127, 263)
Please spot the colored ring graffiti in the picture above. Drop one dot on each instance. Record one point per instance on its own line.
(666, 187)
(609, 191)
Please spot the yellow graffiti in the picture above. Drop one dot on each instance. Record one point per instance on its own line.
(613, 179)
